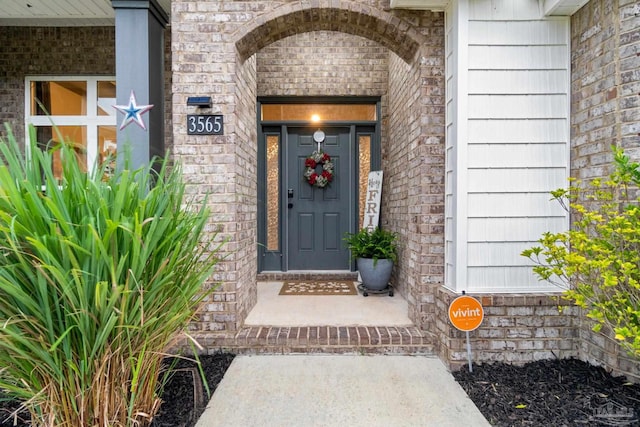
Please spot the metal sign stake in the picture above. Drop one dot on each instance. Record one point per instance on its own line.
(469, 352)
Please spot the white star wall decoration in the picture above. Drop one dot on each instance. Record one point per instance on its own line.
(133, 112)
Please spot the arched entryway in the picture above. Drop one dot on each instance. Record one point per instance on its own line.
(344, 49)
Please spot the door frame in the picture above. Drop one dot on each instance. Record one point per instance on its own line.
(276, 260)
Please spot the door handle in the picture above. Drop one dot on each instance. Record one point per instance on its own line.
(290, 193)
(290, 205)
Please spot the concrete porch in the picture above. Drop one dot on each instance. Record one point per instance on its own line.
(351, 324)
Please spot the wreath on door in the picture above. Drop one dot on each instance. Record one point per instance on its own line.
(323, 178)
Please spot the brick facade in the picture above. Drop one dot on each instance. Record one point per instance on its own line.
(323, 63)
(413, 160)
(605, 111)
(425, 121)
(516, 329)
(605, 63)
(237, 51)
(58, 51)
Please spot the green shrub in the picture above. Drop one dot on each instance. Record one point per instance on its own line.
(376, 244)
(598, 259)
(99, 276)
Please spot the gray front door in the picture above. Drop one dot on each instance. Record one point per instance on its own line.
(318, 218)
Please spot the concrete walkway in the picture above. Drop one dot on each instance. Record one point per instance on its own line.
(340, 390)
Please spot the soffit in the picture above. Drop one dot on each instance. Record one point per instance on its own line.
(61, 13)
(562, 7)
(549, 7)
(419, 4)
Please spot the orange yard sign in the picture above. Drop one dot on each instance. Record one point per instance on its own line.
(466, 313)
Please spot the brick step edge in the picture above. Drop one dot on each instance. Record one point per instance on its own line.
(322, 339)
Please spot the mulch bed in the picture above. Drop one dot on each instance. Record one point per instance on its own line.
(545, 393)
(179, 407)
(551, 393)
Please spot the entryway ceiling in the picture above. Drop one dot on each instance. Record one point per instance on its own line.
(61, 13)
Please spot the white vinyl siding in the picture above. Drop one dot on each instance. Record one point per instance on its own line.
(515, 180)
(482, 229)
(521, 280)
(511, 57)
(516, 148)
(503, 82)
(519, 131)
(522, 205)
(525, 155)
(549, 106)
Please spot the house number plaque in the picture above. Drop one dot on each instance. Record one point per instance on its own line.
(205, 124)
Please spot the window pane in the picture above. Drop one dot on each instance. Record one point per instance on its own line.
(324, 112)
(106, 98)
(59, 98)
(273, 192)
(107, 146)
(49, 138)
(364, 163)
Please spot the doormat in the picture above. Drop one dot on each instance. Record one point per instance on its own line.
(319, 287)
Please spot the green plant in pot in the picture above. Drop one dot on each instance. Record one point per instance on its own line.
(375, 251)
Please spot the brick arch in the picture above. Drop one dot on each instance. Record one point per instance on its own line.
(397, 35)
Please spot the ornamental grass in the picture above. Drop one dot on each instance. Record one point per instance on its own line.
(99, 277)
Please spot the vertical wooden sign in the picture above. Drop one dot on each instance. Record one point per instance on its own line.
(372, 201)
